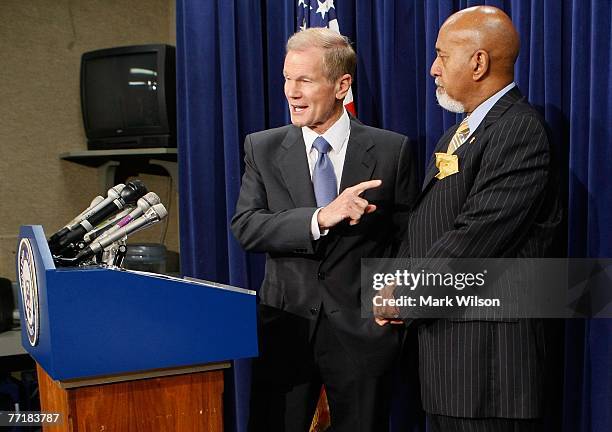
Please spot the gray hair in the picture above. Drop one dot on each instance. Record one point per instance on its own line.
(339, 57)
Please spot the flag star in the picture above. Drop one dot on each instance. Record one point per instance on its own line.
(303, 26)
(303, 3)
(330, 4)
(322, 8)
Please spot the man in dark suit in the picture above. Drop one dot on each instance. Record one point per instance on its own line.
(488, 192)
(316, 197)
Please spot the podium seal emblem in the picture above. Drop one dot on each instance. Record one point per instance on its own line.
(28, 281)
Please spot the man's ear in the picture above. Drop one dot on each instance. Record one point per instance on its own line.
(480, 64)
(343, 84)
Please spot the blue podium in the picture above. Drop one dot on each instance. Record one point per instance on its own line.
(101, 334)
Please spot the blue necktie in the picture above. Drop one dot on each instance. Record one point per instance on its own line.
(323, 176)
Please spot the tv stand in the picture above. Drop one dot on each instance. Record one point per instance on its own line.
(116, 165)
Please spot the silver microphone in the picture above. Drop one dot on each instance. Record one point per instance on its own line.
(142, 205)
(151, 216)
(103, 227)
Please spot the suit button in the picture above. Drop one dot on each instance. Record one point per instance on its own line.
(321, 275)
(314, 311)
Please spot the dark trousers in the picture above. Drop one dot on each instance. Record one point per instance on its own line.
(439, 423)
(290, 370)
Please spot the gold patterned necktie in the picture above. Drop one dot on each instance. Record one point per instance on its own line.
(461, 134)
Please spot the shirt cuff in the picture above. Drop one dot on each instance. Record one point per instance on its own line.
(315, 232)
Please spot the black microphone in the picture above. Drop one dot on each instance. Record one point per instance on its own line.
(97, 203)
(130, 193)
(151, 216)
(94, 204)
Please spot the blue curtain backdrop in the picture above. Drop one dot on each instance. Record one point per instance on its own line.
(229, 79)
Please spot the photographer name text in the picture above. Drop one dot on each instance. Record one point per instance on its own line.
(431, 301)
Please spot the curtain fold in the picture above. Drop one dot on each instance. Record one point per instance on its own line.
(229, 83)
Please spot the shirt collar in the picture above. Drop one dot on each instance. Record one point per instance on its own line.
(481, 111)
(336, 135)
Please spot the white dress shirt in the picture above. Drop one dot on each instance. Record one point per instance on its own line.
(337, 136)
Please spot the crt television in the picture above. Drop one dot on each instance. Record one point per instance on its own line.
(128, 97)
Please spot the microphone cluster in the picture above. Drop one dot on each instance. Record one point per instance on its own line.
(98, 234)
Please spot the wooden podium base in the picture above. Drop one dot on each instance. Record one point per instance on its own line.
(175, 400)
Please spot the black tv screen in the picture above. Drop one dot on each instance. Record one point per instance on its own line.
(128, 97)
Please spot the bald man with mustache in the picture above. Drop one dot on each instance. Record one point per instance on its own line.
(489, 192)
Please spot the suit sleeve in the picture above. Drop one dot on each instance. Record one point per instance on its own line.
(506, 195)
(256, 227)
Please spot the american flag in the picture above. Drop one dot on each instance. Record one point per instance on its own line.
(315, 13)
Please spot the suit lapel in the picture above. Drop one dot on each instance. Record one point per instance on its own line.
(293, 166)
(502, 105)
(358, 163)
(358, 166)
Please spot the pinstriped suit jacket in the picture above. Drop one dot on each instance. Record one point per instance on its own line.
(502, 203)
